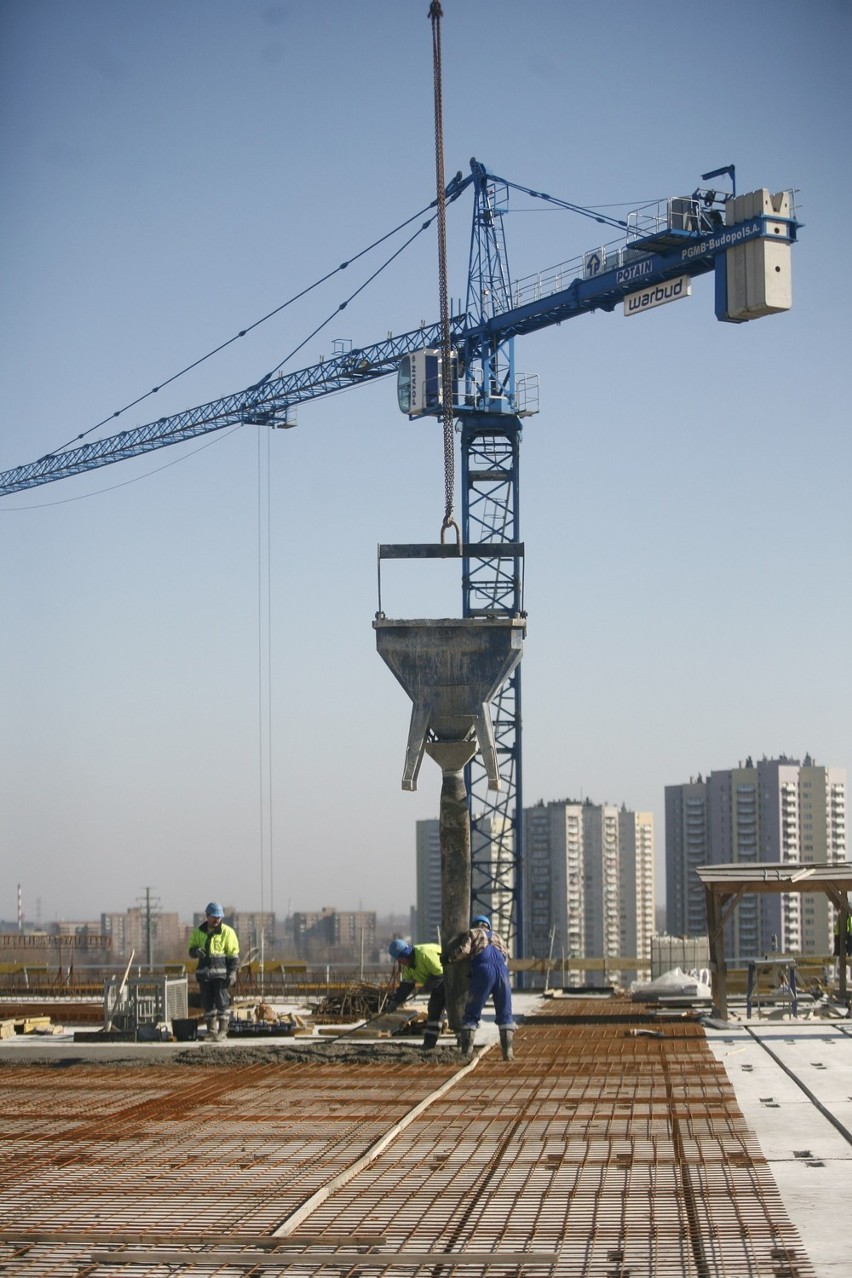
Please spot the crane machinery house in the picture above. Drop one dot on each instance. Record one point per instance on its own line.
(419, 382)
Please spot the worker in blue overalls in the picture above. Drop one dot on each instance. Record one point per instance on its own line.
(489, 978)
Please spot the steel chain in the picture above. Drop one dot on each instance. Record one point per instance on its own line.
(435, 15)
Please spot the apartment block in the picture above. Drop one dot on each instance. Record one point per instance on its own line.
(588, 885)
(255, 929)
(427, 924)
(152, 936)
(777, 810)
(330, 935)
(488, 882)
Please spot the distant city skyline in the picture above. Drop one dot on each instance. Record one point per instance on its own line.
(423, 836)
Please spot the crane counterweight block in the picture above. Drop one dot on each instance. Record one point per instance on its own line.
(754, 275)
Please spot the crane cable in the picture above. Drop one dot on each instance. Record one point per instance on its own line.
(297, 297)
(435, 15)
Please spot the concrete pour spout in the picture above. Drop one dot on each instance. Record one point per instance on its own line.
(451, 669)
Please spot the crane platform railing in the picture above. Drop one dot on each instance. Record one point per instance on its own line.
(658, 226)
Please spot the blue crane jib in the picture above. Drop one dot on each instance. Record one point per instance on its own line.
(745, 239)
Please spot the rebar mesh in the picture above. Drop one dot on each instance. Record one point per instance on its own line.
(601, 1150)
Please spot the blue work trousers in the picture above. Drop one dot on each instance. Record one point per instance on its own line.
(489, 978)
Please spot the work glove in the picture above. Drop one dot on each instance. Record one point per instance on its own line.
(232, 978)
(402, 995)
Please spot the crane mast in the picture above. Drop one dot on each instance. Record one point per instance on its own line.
(490, 456)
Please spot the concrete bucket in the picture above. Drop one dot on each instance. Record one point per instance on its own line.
(451, 669)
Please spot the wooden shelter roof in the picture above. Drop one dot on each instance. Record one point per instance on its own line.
(725, 885)
(776, 876)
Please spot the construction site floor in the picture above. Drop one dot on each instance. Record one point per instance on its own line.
(613, 1146)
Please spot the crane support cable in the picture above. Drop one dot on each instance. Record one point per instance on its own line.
(435, 15)
(594, 213)
(341, 306)
(270, 315)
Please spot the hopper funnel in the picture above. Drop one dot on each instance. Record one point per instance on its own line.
(451, 669)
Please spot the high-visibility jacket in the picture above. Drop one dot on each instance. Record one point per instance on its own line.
(217, 950)
(426, 966)
(847, 949)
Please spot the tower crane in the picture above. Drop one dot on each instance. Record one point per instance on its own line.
(745, 240)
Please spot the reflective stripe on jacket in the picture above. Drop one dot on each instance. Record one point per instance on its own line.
(222, 950)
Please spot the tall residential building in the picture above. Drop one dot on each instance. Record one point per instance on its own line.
(338, 936)
(588, 883)
(428, 898)
(255, 929)
(637, 907)
(149, 935)
(485, 884)
(778, 810)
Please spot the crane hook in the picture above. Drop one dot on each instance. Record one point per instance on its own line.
(449, 522)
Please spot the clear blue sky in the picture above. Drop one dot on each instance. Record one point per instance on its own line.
(172, 172)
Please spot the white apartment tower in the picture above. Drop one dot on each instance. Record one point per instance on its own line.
(486, 882)
(636, 882)
(588, 883)
(779, 810)
(428, 908)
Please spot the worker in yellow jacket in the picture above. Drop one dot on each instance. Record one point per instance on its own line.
(215, 947)
(421, 965)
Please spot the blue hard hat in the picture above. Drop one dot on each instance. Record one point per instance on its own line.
(214, 909)
(481, 918)
(400, 949)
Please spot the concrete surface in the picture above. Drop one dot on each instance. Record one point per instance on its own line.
(793, 1083)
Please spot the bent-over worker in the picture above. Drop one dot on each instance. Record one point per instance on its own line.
(421, 965)
(214, 944)
(489, 977)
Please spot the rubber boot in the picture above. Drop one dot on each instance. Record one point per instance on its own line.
(466, 1037)
(211, 1029)
(224, 1022)
(430, 1038)
(506, 1036)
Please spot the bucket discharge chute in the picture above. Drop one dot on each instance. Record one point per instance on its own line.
(450, 669)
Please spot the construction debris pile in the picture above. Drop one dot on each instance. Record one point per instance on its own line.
(262, 1019)
(12, 1025)
(358, 1002)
